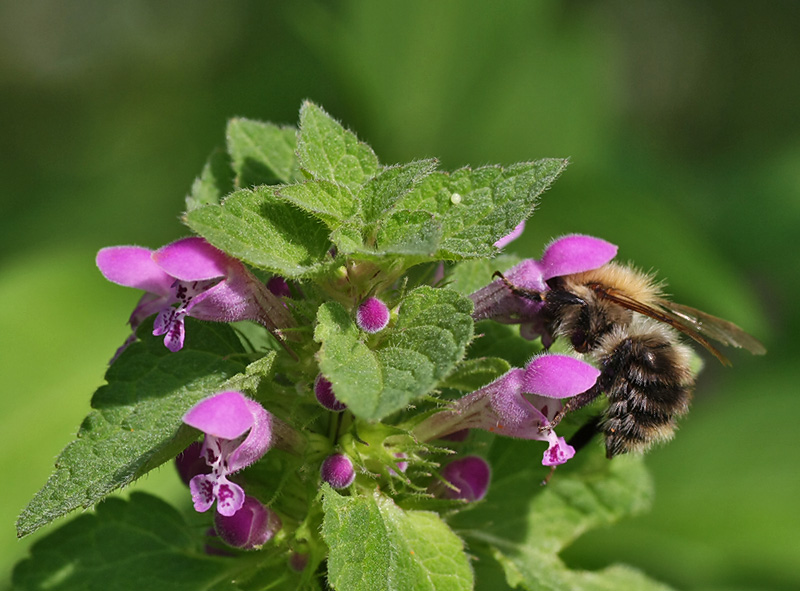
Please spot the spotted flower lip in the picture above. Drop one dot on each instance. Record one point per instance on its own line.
(203, 281)
(521, 404)
(570, 254)
(238, 431)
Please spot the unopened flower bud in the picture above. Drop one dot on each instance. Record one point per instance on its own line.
(372, 315)
(250, 527)
(323, 390)
(470, 476)
(337, 470)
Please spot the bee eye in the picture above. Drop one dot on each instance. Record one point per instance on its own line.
(579, 343)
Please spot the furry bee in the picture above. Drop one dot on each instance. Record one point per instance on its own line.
(618, 316)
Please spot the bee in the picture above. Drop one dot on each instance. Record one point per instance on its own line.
(619, 317)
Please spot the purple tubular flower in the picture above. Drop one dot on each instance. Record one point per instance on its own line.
(337, 470)
(323, 390)
(372, 315)
(252, 526)
(520, 403)
(469, 475)
(513, 235)
(190, 277)
(238, 432)
(566, 255)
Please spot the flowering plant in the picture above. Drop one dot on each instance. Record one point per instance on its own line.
(342, 382)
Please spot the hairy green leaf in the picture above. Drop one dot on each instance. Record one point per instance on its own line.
(214, 182)
(130, 545)
(328, 151)
(262, 153)
(261, 229)
(136, 421)
(375, 545)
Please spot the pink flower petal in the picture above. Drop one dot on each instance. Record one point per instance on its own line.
(558, 376)
(574, 254)
(132, 266)
(192, 259)
(513, 235)
(226, 415)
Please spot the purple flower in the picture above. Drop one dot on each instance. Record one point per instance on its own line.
(566, 255)
(469, 477)
(323, 390)
(190, 278)
(520, 403)
(337, 470)
(238, 431)
(513, 235)
(252, 526)
(191, 462)
(372, 315)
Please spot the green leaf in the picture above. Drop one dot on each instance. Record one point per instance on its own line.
(429, 338)
(142, 543)
(525, 525)
(352, 368)
(491, 202)
(261, 229)
(473, 374)
(409, 233)
(136, 422)
(379, 194)
(375, 545)
(327, 150)
(468, 277)
(262, 153)
(214, 182)
(331, 203)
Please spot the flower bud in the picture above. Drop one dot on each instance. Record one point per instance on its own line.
(250, 527)
(337, 470)
(470, 476)
(372, 315)
(323, 390)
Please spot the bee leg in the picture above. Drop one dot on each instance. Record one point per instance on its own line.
(528, 294)
(574, 403)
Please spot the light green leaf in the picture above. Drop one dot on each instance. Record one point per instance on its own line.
(352, 368)
(379, 194)
(328, 151)
(262, 153)
(375, 545)
(526, 525)
(472, 374)
(478, 207)
(130, 545)
(136, 422)
(260, 229)
(331, 203)
(214, 182)
(429, 338)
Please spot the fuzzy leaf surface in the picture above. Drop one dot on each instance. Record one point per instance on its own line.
(259, 228)
(526, 530)
(375, 545)
(327, 150)
(136, 422)
(142, 543)
(430, 337)
(215, 181)
(262, 153)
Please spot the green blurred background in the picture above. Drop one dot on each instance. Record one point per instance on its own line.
(680, 117)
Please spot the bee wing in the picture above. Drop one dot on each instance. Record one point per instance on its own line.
(713, 327)
(677, 321)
